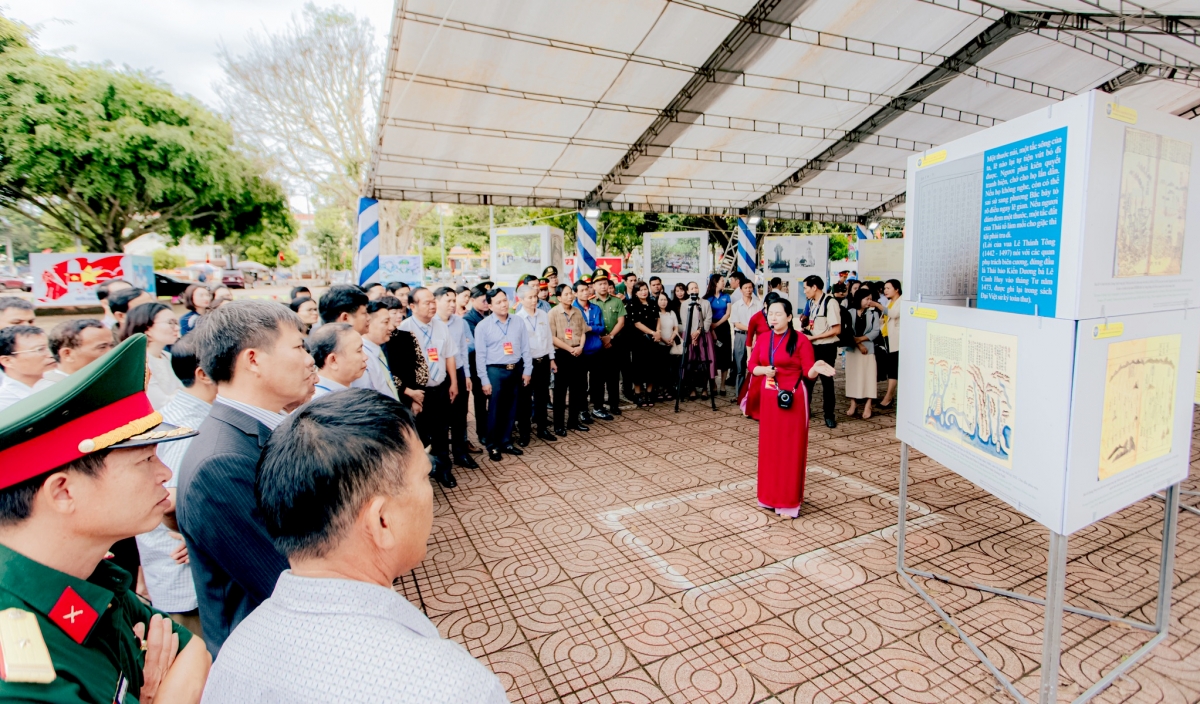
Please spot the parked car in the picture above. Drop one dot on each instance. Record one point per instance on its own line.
(16, 283)
(233, 278)
(166, 285)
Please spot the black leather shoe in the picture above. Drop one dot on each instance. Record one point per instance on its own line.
(586, 418)
(523, 441)
(513, 450)
(546, 435)
(602, 415)
(831, 422)
(560, 432)
(614, 409)
(446, 478)
(494, 454)
(464, 460)
(580, 427)
(472, 449)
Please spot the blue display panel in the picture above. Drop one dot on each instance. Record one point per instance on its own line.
(1020, 234)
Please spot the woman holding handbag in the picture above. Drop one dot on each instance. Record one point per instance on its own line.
(782, 358)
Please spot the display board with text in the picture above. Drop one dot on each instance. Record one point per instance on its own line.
(1079, 210)
(880, 260)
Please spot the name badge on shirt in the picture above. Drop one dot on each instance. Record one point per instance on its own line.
(569, 333)
(508, 348)
(433, 355)
(771, 383)
(122, 689)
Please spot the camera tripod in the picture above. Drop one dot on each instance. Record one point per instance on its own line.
(683, 364)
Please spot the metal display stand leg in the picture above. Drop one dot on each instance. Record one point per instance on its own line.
(1054, 602)
(1183, 506)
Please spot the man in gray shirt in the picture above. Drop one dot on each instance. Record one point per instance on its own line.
(344, 491)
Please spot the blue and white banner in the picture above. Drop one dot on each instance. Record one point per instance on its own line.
(585, 244)
(747, 247)
(366, 251)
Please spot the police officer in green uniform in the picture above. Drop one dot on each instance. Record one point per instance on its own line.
(550, 274)
(78, 472)
(613, 308)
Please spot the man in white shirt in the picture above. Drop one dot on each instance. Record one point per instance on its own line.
(533, 399)
(740, 311)
(103, 291)
(824, 325)
(440, 351)
(379, 331)
(76, 344)
(163, 553)
(25, 357)
(460, 446)
(334, 628)
(338, 352)
(15, 311)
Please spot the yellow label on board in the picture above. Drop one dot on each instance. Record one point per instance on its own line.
(931, 159)
(926, 313)
(1104, 330)
(502, 232)
(1197, 399)
(1123, 113)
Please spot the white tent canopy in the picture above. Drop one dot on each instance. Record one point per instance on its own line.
(804, 109)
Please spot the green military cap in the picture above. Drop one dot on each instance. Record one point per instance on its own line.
(600, 275)
(586, 278)
(102, 406)
(549, 271)
(543, 283)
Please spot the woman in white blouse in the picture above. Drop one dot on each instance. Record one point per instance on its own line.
(158, 322)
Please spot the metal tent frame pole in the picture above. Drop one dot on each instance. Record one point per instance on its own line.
(1054, 602)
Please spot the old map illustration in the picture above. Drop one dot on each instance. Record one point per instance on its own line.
(1153, 207)
(1139, 402)
(970, 388)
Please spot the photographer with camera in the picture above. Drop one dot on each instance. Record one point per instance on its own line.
(784, 359)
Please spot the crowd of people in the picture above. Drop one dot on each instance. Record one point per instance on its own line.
(315, 420)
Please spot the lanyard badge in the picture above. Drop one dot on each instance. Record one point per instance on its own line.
(569, 333)
(433, 354)
(508, 348)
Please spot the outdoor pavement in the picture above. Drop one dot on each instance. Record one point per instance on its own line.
(631, 564)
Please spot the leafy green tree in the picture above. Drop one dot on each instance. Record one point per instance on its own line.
(331, 238)
(26, 234)
(166, 259)
(109, 156)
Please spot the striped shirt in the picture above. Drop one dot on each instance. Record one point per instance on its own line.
(170, 583)
(267, 418)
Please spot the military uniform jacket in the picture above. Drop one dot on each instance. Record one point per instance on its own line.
(87, 627)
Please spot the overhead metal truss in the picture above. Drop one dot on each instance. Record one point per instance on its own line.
(695, 152)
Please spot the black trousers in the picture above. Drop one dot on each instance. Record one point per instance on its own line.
(531, 406)
(502, 408)
(606, 376)
(480, 401)
(433, 423)
(571, 377)
(826, 353)
(458, 416)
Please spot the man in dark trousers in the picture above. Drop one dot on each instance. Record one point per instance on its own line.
(502, 355)
(254, 352)
(477, 310)
(608, 358)
(824, 325)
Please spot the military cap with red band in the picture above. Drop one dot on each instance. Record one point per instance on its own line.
(102, 406)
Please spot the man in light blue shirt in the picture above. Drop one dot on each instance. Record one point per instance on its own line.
(338, 352)
(439, 349)
(461, 333)
(503, 359)
(379, 331)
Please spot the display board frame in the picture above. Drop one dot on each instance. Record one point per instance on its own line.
(1094, 185)
(884, 259)
(702, 263)
(405, 268)
(804, 256)
(549, 241)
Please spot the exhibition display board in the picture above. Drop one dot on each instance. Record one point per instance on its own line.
(1053, 329)
(70, 279)
(517, 251)
(406, 268)
(880, 260)
(1079, 210)
(793, 258)
(677, 257)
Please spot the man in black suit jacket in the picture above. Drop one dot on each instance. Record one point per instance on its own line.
(254, 351)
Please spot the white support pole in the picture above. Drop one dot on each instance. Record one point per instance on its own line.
(366, 253)
(585, 243)
(442, 236)
(1056, 578)
(747, 249)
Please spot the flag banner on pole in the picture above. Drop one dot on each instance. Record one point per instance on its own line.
(366, 254)
(585, 244)
(747, 247)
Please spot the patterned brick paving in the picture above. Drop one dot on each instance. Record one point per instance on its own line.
(630, 564)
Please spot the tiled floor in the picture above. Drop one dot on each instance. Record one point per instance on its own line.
(630, 564)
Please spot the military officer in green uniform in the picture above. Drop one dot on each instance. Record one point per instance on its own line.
(78, 472)
(550, 275)
(609, 364)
